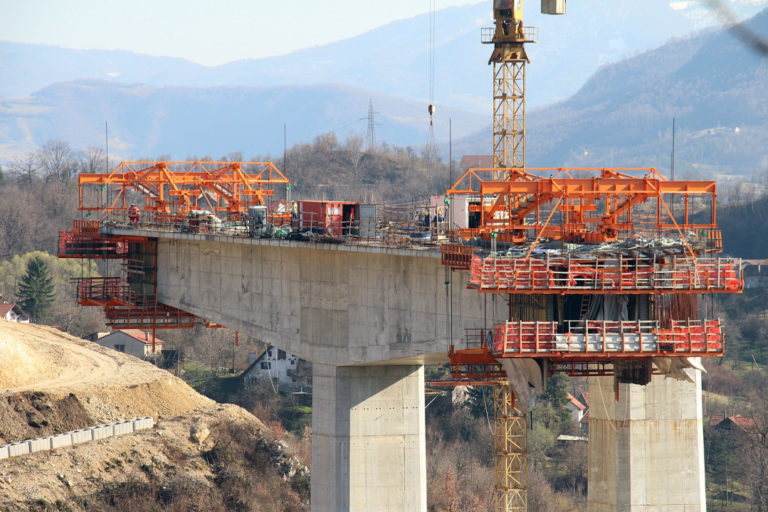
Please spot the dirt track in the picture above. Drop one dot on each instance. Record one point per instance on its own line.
(42, 358)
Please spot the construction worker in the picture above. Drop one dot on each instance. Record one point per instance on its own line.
(133, 214)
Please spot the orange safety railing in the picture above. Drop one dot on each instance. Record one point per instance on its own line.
(102, 291)
(561, 274)
(596, 339)
(456, 256)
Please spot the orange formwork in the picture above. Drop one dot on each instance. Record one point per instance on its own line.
(605, 274)
(596, 340)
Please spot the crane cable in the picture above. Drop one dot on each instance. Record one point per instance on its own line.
(431, 108)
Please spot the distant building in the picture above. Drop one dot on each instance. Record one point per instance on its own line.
(286, 371)
(735, 425)
(13, 313)
(135, 342)
(579, 408)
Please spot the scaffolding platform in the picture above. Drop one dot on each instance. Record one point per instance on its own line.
(103, 291)
(76, 245)
(605, 274)
(596, 340)
(153, 316)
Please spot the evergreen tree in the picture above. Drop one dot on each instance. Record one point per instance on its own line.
(36, 290)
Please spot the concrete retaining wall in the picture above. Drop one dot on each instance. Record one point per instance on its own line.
(75, 437)
(61, 440)
(142, 423)
(39, 445)
(102, 432)
(123, 427)
(20, 448)
(82, 436)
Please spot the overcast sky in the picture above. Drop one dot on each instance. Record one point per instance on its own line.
(203, 31)
(215, 32)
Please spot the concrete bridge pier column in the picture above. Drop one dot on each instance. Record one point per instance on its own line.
(368, 442)
(646, 450)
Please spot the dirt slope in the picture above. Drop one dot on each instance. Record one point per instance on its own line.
(51, 382)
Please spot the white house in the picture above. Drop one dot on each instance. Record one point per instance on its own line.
(131, 341)
(286, 371)
(13, 313)
(580, 411)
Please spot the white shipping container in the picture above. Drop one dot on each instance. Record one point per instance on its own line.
(367, 220)
(553, 6)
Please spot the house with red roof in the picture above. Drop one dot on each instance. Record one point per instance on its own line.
(579, 408)
(737, 424)
(12, 313)
(135, 342)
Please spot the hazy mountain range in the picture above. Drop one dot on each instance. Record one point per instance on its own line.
(157, 105)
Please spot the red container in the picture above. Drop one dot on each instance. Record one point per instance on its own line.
(334, 218)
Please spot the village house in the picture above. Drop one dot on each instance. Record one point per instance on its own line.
(286, 371)
(13, 313)
(579, 407)
(135, 342)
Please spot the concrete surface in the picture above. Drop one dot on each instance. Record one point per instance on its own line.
(646, 451)
(329, 304)
(368, 434)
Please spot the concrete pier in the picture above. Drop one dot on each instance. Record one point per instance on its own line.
(368, 433)
(646, 450)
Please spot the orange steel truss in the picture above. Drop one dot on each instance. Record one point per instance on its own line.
(178, 187)
(579, 204)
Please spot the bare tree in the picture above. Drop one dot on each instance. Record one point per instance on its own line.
(353, 147)
(95, 160)
(755, 453)
(25, 168)
(57, 160)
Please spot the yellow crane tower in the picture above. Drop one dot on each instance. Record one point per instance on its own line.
(508, 37)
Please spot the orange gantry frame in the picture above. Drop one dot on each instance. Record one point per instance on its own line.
(581, 204)
(178, 187)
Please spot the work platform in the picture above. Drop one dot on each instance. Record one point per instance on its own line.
(595, 340)
(601, 274)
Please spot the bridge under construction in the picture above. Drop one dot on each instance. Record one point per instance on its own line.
(511, 275)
